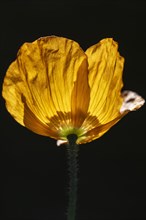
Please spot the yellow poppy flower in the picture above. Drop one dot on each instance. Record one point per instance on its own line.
(54, 88)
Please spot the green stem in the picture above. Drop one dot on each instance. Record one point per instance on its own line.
(72, 153)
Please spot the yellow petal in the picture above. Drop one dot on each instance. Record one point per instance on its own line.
(131, 102)
(37, 126)
(80, 96)
(99, 130)
(105, 80)
(44, 78)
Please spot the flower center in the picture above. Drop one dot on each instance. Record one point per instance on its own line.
(67, 131)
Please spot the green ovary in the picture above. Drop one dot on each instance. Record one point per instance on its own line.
(64, 132)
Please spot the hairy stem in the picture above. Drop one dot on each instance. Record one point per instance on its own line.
(72, 153)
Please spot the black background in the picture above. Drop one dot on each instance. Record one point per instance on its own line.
(112, 175)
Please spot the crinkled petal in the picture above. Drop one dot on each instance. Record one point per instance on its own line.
(131, 102)
(44, 78)
(107, 104)
(37, 126)
(80, 96)
(105, 80)
(99, 130)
